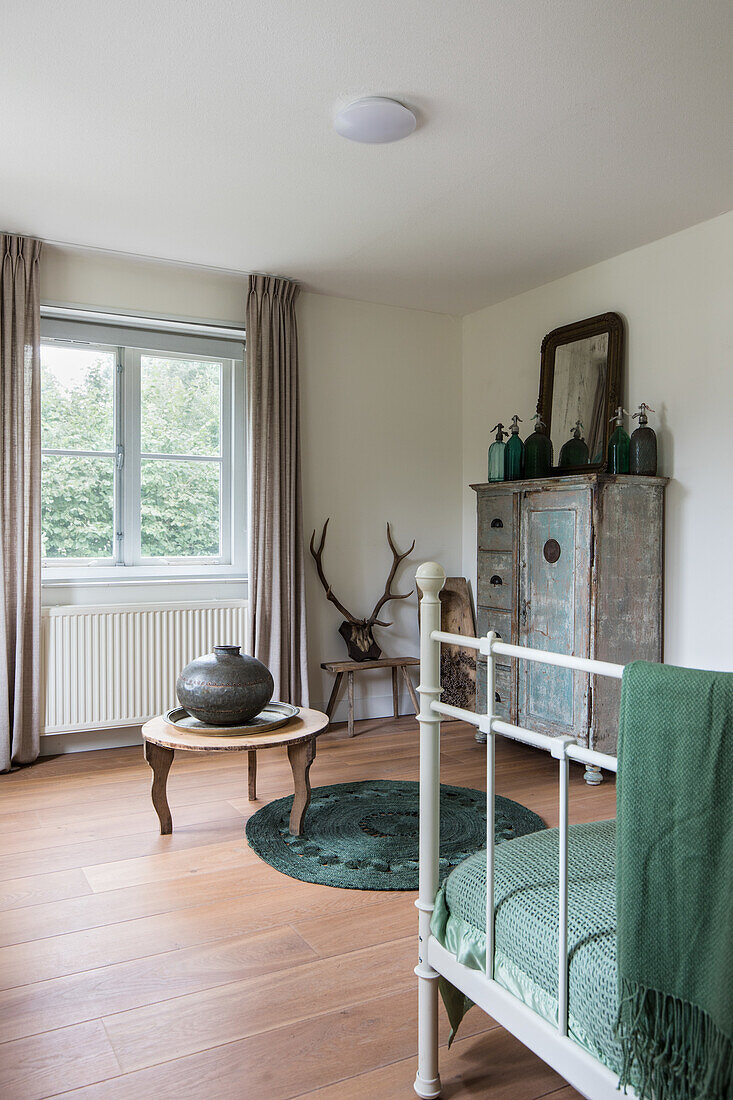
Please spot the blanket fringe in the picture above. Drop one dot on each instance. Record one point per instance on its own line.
(672, 1050)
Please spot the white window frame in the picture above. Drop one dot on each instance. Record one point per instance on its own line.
(127, 563)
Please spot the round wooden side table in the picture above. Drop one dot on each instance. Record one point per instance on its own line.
(299, 737)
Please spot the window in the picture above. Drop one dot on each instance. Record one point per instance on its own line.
(182, 470)
(78, 440)
(139, 468)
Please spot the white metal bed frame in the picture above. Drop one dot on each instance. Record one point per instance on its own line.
(551, 1043)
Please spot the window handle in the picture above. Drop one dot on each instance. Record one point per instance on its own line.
(120, 459)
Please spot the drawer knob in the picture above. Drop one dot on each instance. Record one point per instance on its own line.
(496, 522)
(496, 579)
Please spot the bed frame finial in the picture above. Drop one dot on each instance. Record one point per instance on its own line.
(431, 577)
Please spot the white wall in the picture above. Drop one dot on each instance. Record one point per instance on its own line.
(381, 427)
(676, 296)
(380, 421)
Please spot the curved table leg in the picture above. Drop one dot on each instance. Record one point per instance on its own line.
(301, 757)
(160, 760)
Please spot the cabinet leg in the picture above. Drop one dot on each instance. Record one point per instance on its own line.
(395, 694)
(593, 775)
(252, 774)
(160, 760)
(301, 757)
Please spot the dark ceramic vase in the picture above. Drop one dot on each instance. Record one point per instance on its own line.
(225, 688)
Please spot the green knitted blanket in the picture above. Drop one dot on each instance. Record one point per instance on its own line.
(674, 874)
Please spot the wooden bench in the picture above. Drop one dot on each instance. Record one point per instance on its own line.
(350, 668)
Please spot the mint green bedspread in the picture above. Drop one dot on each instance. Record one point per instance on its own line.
(526, 908)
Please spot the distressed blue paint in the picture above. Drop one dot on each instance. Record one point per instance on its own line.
(551, 616)
(617, 611)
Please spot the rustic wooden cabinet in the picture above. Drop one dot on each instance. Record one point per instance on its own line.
(572, 564)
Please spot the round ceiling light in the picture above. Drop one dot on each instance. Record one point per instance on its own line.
(375, 120)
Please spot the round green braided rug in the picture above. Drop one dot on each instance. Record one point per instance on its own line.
(364, 836)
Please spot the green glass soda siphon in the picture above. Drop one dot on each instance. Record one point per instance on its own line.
(514, 453)
(496, 454)
(575, 452)
(618, 445)
(538, 452)
(643, 445)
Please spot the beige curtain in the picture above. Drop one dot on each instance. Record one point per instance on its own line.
(20, 500)
(276, 570)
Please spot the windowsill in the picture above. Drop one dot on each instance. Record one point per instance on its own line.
(141, 581)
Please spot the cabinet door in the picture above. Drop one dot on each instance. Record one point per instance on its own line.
(554, 607)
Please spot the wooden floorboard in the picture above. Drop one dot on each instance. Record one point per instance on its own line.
(134, 965)
(292, 1060)
(515, 1074)
(33, 889)
(279, 895)
(118, 987)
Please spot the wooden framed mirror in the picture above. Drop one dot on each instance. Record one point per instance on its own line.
(580, 379)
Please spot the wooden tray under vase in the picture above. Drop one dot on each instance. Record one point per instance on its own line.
(270, 717)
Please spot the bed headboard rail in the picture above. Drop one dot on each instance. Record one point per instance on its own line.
(430, 578)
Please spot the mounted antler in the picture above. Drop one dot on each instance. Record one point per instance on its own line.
(318, 557)
(357, 633)
(393, 572)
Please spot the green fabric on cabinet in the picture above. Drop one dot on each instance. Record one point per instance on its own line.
(675, 882)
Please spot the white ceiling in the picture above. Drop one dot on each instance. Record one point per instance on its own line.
(553, 134)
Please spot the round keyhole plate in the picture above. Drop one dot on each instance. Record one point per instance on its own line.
(551, 551)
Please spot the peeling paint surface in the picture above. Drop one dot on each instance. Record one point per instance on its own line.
(582, 558)
(550, 619)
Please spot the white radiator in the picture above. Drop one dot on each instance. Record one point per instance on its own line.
(117, 665)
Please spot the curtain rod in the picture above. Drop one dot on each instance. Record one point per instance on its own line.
(147, 258)
(193, 328)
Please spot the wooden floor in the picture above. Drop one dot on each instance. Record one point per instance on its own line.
(134, 965)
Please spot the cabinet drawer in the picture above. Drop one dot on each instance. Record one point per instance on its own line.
(501, 622)
(498, 621)
(495, 579)
(496, 521)
(502, 691)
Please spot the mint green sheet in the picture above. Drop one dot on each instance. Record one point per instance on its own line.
(526, 921)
